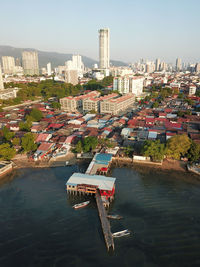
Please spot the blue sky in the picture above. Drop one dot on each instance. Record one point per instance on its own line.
(139, 28)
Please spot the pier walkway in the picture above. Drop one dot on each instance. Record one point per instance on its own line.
(104, 222)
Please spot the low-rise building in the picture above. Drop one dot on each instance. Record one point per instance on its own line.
(75, 104)
(115, 105)
(94, 103)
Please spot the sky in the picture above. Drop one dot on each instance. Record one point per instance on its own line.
(148, 29)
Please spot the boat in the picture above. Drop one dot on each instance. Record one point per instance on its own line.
(121, 233)
(81, 205)
(5, 167)
(116, 217)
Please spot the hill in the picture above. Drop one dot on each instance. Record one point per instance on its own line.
(55, 58)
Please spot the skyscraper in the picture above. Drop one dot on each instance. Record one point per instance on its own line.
(8, 64)
(178, 64)
(157, 64)
(1, 80)
(104, 48)
(49, 69)
(197, 68)
(30, 62)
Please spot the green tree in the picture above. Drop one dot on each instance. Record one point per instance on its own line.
(153, 149)
(25, 126)
(128, 151)
(155, 104)
(107, 81)
(55, 105)
(79, 147)
(7, 135)
(178, 146)
(16, 141)
(197, 93)
(6, 152)
(36, 114)
(28, 142)
(193, 152)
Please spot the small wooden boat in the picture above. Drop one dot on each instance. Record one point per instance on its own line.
(121, 233)
(81, 205)
(115, 217)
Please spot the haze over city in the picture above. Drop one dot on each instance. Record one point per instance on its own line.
(146, 29)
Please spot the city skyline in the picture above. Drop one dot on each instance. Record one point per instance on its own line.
(138, 30)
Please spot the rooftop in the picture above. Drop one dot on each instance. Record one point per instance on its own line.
(102, 182)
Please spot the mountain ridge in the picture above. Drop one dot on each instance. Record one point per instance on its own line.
(55, 58)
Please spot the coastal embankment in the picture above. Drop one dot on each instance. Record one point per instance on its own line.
(166, 164)
(22, 161)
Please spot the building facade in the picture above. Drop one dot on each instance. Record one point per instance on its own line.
(49, 69)
(94, 103)
(30, 62)
(75, 104)
(128, 84)
(1, 80)
(71, 76)
(114, 106)
(75, 64)
(157, 64)
(104, 48)
(178, 64)
(8, 64)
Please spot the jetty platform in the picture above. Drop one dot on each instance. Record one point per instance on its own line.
(102, 187)
(104, 222)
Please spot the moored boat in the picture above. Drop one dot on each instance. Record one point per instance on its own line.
(5, 167)
(121, 233)
(116, 217)
(81, 205)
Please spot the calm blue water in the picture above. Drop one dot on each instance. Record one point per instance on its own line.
(38, 226)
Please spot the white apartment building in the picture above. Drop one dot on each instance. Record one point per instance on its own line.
(8, 64)
(115, 105)
(178, 64)
(49, 69)
(157, 64)
(75, 104)
(1, 80)
(30, 62)
(197, 68)
(71, 76)
(129, 84)
(104, 48)
(94, 103)
(121, 71)
(192, 90)
(75, 64)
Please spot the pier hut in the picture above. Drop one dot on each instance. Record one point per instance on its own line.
(100, 163)
(89, 184)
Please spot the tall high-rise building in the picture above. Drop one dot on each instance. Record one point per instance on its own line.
(157, 64)
(104, 48)
(1, 80)
(18, 62)
(75, 64)
(8, 64)
(49, 69)
(178, 64)
(197, 68)
(71, 76)
(30, 62)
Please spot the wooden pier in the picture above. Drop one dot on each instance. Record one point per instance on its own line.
(104, 222)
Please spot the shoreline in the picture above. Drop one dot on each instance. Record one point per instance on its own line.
(23, 162)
